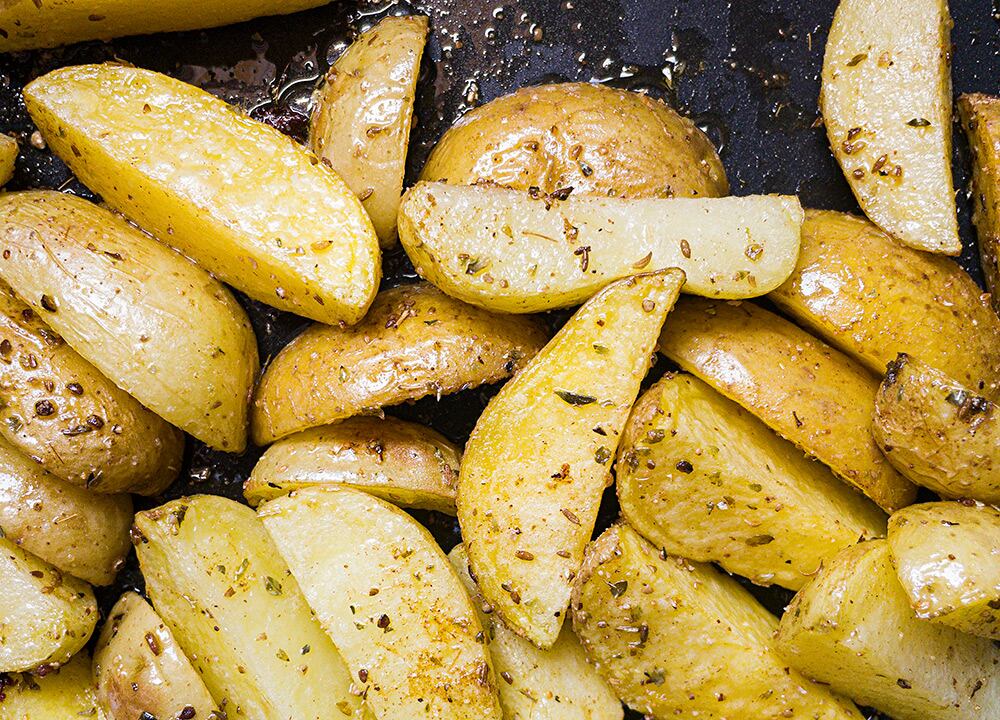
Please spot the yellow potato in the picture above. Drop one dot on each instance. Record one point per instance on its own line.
(981, 119)
(8, 154)
(415, 341)
(64, 695)
(540, 455)
(248, 203)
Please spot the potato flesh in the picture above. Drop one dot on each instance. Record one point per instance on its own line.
(248, 203)
(64, 695)
(391, 602)
(8, 158)
(511, 251)
(981, 119)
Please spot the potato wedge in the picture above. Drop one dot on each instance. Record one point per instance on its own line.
(981, 119)
(704, 479)
(540, 455)
(160, 327)
(886, 103)
(938, 433)
(416, 341)
(248, 203)
(843, 291)
(361, 120)
(511, 251)
(216, 579)
(804, 390)
(557, 684)
(398, 461)
(852, 627)
(571, 135)
(8, 157)
(66, 694)
(676, 638)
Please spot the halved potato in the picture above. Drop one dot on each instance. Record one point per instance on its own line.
(398, 461)
(160, 327)
(65, 694)
(248, 203)
(216, 579)
(416, 341)
(8, 154)
(981, 119)
(704, 479)
(852, 627)
(807, 392)
(512, 251)
(391, 602)
(676, 638)
(540, 455)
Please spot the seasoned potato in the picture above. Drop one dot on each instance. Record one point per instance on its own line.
(519, 252)
(404, 463)
(704, 479)
(804, 390)
(8, 156)
(249, 204)
(852, 627)
(938, 433)
(981, 119)
(572, 135)
(844, 292)
(66, 694)
(675, 638)
(361, 121)
(160, 327)
(540, 455)
(416, 341)
(886, 103)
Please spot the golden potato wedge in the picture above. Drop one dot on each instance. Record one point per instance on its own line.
(872, 298)
(216, 579)
(938, 433)
(391, 602)
(886, 103)
(8, 156)
(852, 627)
(249, 204)
(160, 327)
(518, 252)
(558, 683)
(704, 479)
(677, 638)
(540, 455)
(361, 120)
(804, 390)
(981, 119)
(401, 462)
(416, 341)
(572, 135)
(65, 694)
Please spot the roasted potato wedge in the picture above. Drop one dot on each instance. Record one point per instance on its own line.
(401, 462)
(540, 455)
(8, 156)
(160, 327)
(512, 251)
(66, 694)
(361, 120)
(216, 579)
(416, 341)
(676, 638)
(704, 479)
(981, 119)
(804, 390)
(886, 104)
(852, 627)
(247, 202)
(571, 135)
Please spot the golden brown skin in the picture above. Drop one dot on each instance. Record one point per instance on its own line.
(981, 119)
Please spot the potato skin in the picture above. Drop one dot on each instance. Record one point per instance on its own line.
(981, 119)
(64, 695)
(8, 157)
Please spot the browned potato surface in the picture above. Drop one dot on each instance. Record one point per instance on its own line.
(981, 119)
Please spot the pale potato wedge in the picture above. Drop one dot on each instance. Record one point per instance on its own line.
(804, 390)
(66, 694)
(401, 462)
(886, 103)
(249, 204)
(361, 120)
(160, 327)
(216, 579)
(676, 638)
(8, 156)
(415, 341)
(540, 455)
(556, 684)
(981, 119)
(852, 627)
(702, 478)
(519, 252)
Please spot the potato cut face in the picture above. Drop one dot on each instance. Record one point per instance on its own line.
(518, 252)
(64, 695)
(8, 158)
(540, 455)
(391, 602)
(248, 203)
(981, 119)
